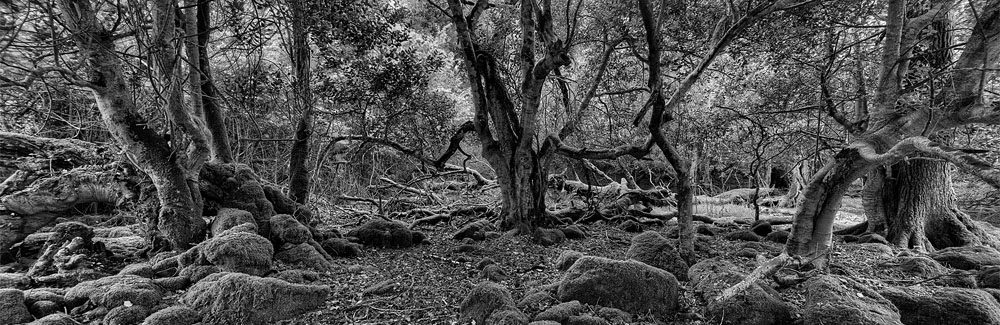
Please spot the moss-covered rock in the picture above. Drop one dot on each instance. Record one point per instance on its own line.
(55, 319)
(655, 250)
(114, 291)
(173, 315)
(304, 255)
(286, 230)
(197, 272)
(840, 300)
(486, 298)
(627, 285)
(228, 218)
(237, 298)
(756, 305)
(126, 315)
(12, 308)
(566, 259)
(239, 252)
(336, 246)
(941, 305)
(382, 233)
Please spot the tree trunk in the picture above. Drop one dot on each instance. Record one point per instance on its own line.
(215, 117)
(873, 203)
(522, 186)
(799, 175)
(298, 172)
(922, 209)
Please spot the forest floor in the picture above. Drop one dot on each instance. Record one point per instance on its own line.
(426, 284)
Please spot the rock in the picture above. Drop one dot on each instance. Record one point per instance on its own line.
(483, 263)
(66, 231)
(761, 228)
(173, 283)
(475, 230)
(141, 269)
(164, 266)
(94, 314)
(126, 315)
(631, 286)
(744, 235)
(507, 316)
(382, 288)
(566, 259)
(756, 305)
(655, 250)
(574, 232)
(748, 253)
(239, 252)
(43, 308)
(494, 273)
(879, 250)
(778, 236)
(197, 272)
(921, 265)
(382, 233)
(614, 315)
(849, 238)
(544, 322)
(124, 246)
(706, 230)
(14, 280)
(485, 298)
(237, 298)
(336, 246)
(938, 305)
(55, 319)
(958, 279)
(872, 238)
(466, 248)
(305, 255)
(286, 230)
(840, 300)
(535, 302)
(630, 226)
(548, 237)
(296, 276)
(114, 291)
(40, 294)
(967, 257)
(989, 277)
(227, 218)
(585, 320)
(173, 315)
(12, 308)
(115, 232)
(561, 312)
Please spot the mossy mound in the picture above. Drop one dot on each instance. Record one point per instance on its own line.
(383, 233)
(237, 298)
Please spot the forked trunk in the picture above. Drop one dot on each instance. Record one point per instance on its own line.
(523, 190)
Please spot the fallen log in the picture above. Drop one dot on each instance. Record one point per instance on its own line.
(30, 153)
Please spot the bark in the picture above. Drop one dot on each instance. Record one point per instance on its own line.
(298, 172)
(29, 153)
(179, 218)
(799, 176)
(215, 118)
(872, 199)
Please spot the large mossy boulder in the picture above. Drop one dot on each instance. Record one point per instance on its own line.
(304, 255)
(758, 304)
(237, 298)
(839, 300)
(238, 251)
(485, 299)
(286, 230)
(631, 286)
(655, 250)
(943, 305)
(383, 233)
(114, 291)
(228, 218)
(12, 308)
(173, 315)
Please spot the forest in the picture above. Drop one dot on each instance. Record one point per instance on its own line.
(542, 162)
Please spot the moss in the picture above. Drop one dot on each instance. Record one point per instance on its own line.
(628, 285)
(304, 255)
(228, 218)
(12, 308)
(197, 272)
(484, 299)
(239, 252)
(382, 233)
(126, 315)
(173, 315)
(113, 291)
(286, 230)
(236, 298)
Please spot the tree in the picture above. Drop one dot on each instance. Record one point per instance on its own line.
(298, 171)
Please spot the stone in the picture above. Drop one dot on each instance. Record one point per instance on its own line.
(778, 236)
(304, 255)
(507, 316)
(383, 233)
(989, 277)
(631, 286)
(336, 246)
(566, 259)
(173, 283)
(474, 230)
(533, 303)
(12, 308)
(242, 252)
(124, 246)
(115, 232)
(761, 228)
(614, 315)
(55, 319)
(655, 250)
(958, 279)
(126, 315)
(747, 253)
(967, 257)
(114, 291)
(296, 276)
(485, 298)
(66, 231)
(922, 266)
(574, 232)
(548, 237)
(238, 298)
(44, 308)
(483, 263)
(14, 281)
(494, 273)
(173, 315)
(756, 305)
(706, 230)
(544, 322)
(561, 312)
(872, 238)
(585, 320)
(197, 272)
(840, 300)
(744, 235)
(141, 269)
(40, 294)
(227, 218)
(630, 226)
(942, 305)
(286, 230)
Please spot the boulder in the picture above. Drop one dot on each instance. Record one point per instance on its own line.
(507, 316)
(173, 315)
(382, 233)
(14, 281)
(141, 269)
(494, 273)
(922, 266)
(66, 231)
(872, 238)
(126, 315)
(237, 298)
(757, 304)
(236, 251)
(548, 237)
(296, 276)
(574, 232)
(561, 312)
(286, 230)
(989, 277)
(305, 255)
(227, 218)
(840, 300)
(761, 228)
(744, 235)
(631, 286)
(485, 298)
(585, 320)
(124, 246)
(336, 246)
(12, 308)
(115, 232)
(475, 230)
(43, 308)
(197, 272)
(533, 303)
(55, 319)
(566, 259)
(114, 291)
(967, 257)
(630, 226)
(706, 230)
(655, 250)
(42, 294)
(173, 283)
(483, 263)
(942, 305)
(614, 315)
(778, 236)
